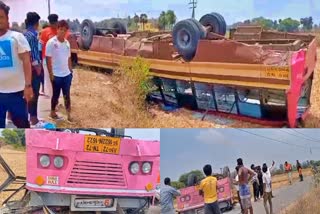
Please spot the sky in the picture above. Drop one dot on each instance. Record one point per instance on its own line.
(183, 150)
(141, 134)
(232, 10)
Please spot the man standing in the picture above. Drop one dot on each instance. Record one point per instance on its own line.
(269, 172)
(260, 175)
(58, 56)
(167, 194)
(288, 170)
(15, 73)
(267, 197)
(245, 175)
(46, 34)
(299, 168)
(236, 183)
(32, 25)
(255, 183)
(208, 189)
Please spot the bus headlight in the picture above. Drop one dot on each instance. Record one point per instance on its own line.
(45, 161)
(58, 162)
(134, 168)
(146, 167)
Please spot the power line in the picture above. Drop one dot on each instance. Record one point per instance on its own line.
(49, 7)
(313, 139)
(193, 4)
(309, 139)
(278, 141)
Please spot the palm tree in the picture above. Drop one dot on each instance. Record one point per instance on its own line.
(136, 19)
(143, 19)
(162, 20)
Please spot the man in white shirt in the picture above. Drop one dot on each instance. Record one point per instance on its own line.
(15, 73)
(58, 55)
(267, 197)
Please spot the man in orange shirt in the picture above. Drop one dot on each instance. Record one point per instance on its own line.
(288, 169)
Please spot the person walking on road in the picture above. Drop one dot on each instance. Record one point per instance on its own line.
(299, 168)
(245, 176)
(58, 56)
(255, 183)
(167, 194)
(267, 197)
(15, 73)
(208, 189)
(269, 169)
(288, 170)
(260, 174)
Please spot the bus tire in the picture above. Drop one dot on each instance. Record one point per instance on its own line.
(192, 180)
(186, 36)
(118, 27)
(87, 31)
(203, 32)
(216, 21)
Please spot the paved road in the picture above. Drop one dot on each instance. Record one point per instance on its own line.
(283, 197)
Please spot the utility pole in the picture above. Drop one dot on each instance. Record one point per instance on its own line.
(49, 7)
(193, 6)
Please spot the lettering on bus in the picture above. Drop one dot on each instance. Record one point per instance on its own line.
(102, 144)
(276, 72)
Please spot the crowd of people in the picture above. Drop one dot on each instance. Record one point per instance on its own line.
(259, 177)
(29, 60)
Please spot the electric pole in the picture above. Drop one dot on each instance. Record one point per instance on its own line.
(49, 7)
(193, 6)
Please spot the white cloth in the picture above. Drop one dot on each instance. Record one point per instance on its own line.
(237, 179)
(47, 81)
(60, 53)
(267, 180)
(12, 77)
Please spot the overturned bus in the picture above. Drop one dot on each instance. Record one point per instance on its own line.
(254, 75)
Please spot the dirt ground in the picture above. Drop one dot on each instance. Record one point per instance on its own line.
(98, 102)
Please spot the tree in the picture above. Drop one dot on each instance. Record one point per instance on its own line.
(178, 185)
(162, 21)
(136, 19)
(307, 23)
(247, 22)
(288, 25)
(265, 23)
(171, 18)
(184, 177)
(10, 137)
(21, 135)
(281, 167)
(143, 19)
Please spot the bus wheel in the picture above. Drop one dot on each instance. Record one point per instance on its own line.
(216, 22)
(88, 30)
(186, 35)
(118, 27)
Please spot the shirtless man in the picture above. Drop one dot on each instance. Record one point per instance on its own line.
(245, 175)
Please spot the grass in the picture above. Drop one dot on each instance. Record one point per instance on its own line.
(309, 203)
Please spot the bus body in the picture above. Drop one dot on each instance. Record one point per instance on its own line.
(88, 172)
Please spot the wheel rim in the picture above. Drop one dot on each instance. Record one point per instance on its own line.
(184, 38)
(86, 32)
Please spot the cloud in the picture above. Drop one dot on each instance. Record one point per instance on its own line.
(211, 136)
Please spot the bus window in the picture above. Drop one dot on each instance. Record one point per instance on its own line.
(204, 96)
(249, 102)
(225, 98)
(304, 99)
(273, 104)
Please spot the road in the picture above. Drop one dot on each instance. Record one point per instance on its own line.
(283, 197)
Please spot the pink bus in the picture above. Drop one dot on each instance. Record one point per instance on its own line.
(81, 172)
(191, 202)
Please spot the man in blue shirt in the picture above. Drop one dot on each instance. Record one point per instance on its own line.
(167, 194)
(32, 25)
